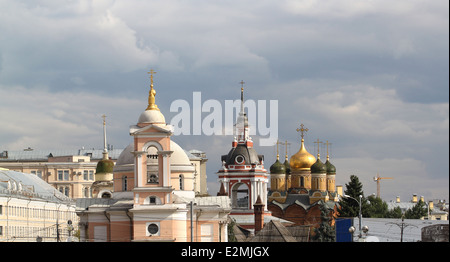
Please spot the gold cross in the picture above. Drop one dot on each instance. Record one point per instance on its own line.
(242, 85)
(302, 130)
(327, 147)
(286, 144)
(151, 73)
(318, 145)
(278, 143)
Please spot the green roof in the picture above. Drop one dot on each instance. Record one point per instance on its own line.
(277, 168)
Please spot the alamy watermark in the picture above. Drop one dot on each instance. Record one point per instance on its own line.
(211, 117)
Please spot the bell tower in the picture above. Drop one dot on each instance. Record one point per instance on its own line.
(242, 174)
(152, 154)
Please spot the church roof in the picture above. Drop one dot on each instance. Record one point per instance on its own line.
(249, 154)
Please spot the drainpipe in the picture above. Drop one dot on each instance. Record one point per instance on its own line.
(131, 225)
(109, 226)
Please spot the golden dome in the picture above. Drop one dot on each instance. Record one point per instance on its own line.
(302, 160)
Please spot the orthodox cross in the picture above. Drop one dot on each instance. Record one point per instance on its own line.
(278, 143)
(328, 156)
(318, 146)
(151, 73)
(286, 144)
(302, 130)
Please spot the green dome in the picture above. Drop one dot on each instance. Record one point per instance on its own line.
(104, 166)
(330, 167)
(318, 167)
(277, 168)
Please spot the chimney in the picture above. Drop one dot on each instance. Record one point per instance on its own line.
(397, 200)
(339, 190)
(422, 199)
(259, 214)
(431, 205)
(222, 190)
(414, 198)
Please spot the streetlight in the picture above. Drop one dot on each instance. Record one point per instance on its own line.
(364, 229)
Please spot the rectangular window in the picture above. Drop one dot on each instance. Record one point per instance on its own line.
(66, 175)
(85, 175)
(91, 174)
(60, 175)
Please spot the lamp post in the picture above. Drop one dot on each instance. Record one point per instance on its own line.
(364, 229)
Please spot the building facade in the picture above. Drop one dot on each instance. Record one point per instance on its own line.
(154, 195)
(31, 210)
(72, 172)
(300, 185)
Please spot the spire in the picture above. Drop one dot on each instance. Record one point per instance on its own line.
(105, 149)
(151, 93)
(242, 121)
(242, 97)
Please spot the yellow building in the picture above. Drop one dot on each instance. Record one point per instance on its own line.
(72, 172)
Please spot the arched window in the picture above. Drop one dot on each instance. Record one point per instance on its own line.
(181, 178)
(240, 196)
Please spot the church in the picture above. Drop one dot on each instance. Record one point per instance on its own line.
(301, 184)
(149, 194)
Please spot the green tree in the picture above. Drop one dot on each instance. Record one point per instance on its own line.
(377, 208)
(394, 213)
(350, 207)
(325, 232)
(417, 211)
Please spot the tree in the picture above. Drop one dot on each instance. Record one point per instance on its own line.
(325, 232)
(350, 207)
(377, 207)
(394, 213)
(417, 211)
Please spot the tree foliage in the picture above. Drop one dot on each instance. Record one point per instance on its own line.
(373, 206)
(417, 211)
(325, 232)
(350, 207)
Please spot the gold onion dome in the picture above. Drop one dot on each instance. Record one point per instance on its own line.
(302, 160)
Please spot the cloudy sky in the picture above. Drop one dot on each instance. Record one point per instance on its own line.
(370, 77)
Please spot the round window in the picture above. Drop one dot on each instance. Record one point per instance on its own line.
(239, 159)
(153, 228)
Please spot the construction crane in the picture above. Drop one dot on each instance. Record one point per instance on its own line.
(377, 179)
